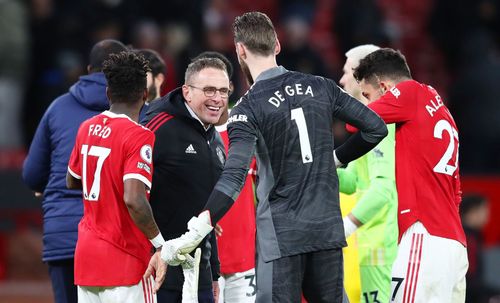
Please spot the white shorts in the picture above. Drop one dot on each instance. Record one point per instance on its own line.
(139, 293)
(238, 288)
(428, 269)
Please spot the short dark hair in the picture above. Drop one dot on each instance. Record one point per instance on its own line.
(256, 31)
(101, 51)
(382, 63)
(200, 64)
(471, 202)
(156, 62)
(212, 54)
(126, 74)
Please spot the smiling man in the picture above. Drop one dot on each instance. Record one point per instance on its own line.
(189, 156)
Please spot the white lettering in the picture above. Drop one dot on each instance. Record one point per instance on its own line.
(274, 101)
(279, 95)
(91, 127)
(97, 128)
(289, 90)
(298, 88)
(309, 91)
(238, 118)
(431, 109)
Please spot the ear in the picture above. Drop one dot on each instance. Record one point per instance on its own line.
(160, 78)
(241, 50)
(186, 93)
(108, 94)
(385, 86)
(277, 48)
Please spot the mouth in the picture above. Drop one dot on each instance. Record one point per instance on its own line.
(214, 109)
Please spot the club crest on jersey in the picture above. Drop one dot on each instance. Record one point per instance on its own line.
(147, 153)
(395, 91)
(220, 155)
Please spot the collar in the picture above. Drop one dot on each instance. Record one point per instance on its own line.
(193, 114)
(271, 73)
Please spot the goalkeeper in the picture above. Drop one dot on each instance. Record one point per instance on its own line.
(372, 179)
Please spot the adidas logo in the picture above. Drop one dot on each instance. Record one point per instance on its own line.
(190, 149)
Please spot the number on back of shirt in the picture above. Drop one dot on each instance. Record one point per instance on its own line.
(101, 153)
(305, 145)
(443, 166)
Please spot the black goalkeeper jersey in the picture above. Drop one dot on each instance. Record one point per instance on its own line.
(286, 120)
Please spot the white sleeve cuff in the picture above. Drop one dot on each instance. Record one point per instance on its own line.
(337, 161)
(157, 241)
(349, 227)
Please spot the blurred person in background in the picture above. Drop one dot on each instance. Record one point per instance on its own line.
(427, 178)
(156, 77)
(474, 212)
(44, 169)
(372, 178)
(14, 50)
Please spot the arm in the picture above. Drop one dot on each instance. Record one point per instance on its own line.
(372, 128)
(138, 207)
(72, 182)
(214, 257)
(36, 167)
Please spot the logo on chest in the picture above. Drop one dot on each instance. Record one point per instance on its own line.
(190, 149)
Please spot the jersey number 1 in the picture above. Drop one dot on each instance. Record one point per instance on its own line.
(101, 153)
(305, 146)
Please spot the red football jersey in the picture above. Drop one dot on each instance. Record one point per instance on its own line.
(111, 250)
(427, 173)
(236, 246)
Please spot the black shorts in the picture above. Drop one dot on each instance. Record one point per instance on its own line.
(319, 276)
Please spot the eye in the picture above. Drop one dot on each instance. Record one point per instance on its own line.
(210, 90)
(224, 91)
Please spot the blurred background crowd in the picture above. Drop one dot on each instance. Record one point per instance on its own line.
(451, 45)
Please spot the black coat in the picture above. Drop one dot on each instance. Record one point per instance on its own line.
(187, 161)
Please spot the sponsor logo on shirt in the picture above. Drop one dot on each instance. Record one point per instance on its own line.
(190, 149)
(144, 166)
(378, 153)
(395, 91)
(147, 153)
(237, 118)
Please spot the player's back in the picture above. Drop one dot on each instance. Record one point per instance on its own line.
(106, 143)
(426, 160)
(292, 114)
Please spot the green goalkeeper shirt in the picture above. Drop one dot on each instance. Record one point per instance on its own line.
(372, 179)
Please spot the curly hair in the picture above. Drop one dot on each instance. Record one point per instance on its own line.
(126, 75)
(382, 63)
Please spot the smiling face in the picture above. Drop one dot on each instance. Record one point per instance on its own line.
(207, 109)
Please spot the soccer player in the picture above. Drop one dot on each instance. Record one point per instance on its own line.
(112, 162)
(155, 78)
(432, 259)
(286, 120)
(372, 178)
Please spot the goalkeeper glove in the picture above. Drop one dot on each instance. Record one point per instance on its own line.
(173, 251)
(191, 271)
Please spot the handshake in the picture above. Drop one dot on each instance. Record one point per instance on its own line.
(176, 251)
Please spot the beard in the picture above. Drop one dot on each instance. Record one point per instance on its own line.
(152, 92)
(246, 72)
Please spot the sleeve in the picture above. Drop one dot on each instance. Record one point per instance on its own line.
(139, 156)
(74, 165)
(372, 128)
(397, 105)
(36, 167)
(214, 257)
(381, 189)
(348, 179)
(242, 132)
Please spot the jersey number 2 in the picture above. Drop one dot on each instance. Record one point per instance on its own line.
(442, 166)
(101, 153)
(305, 145)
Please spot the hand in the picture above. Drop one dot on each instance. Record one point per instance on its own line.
(216, 290)
(159, 268)
(218, 230)
(191, 271)
(174, 251)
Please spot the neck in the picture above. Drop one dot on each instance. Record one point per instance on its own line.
(131, 110)
(257, 64)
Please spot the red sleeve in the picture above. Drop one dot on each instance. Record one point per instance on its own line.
(74, 166)
(398, 104)
(139, 156)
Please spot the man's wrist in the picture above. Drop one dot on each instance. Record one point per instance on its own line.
(157, 241)
(349, 226)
